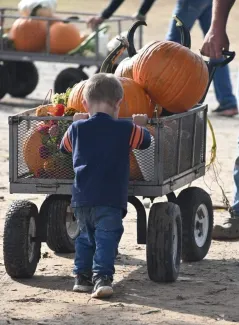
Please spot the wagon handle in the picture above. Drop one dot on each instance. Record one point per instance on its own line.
(212, 67)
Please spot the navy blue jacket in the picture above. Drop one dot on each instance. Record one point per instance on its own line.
(100, 147)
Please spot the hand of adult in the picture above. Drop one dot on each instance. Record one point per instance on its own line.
(214, 43)
(93, 22)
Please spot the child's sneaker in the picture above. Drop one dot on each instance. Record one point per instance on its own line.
(83, 283)
(102, 287)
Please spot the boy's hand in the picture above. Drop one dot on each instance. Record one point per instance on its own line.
(140, 119)
(80, 116)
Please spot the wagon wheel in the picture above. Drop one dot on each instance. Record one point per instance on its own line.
(61, 224)
(21, 247)
(23, 78)
(68, 78)
(4, 80)
(197, 218)
(164, 241)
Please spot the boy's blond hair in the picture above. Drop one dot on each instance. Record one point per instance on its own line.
(104, 88)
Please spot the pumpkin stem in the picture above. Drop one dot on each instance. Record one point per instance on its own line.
(108, 63)
(185, 34)
(130, 37)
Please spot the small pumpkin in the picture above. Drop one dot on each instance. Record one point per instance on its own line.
(43, 110)
(28, 35)
(31, 149)
(76, 96)
(125, 67)
(173, 76)
(64, 37)
(135, 172)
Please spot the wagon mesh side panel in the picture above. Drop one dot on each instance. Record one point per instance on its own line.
(200, 144)
(142, 162)
(183, 149)
(38, 154)
(38, 150)
(170, 148)
(186, 147)
(22, 133)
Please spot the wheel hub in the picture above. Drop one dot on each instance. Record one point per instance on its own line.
(71, 223)
(31, 239)
(201, 225)
(175, 242)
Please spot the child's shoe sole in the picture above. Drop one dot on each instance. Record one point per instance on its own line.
(103, 292)
(81, 288)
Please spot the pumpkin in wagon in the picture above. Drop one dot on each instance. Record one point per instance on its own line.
(125, 67)
(135, 100)
(31, 149)
(29, 35)
(64, 37)
(173, 76)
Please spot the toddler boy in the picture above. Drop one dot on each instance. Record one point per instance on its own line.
(100, 147)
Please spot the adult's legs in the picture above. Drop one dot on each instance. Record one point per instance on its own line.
(221, 80)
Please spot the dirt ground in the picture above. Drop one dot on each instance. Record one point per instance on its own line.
(205, 293)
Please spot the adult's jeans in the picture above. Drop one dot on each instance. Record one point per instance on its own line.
(101, 229)
(190, 11)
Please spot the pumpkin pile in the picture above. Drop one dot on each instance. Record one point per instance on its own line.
(172, 75)
(161, 74)
(29, 34)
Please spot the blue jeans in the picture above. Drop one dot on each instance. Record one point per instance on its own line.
(190, 11)
(101, 230)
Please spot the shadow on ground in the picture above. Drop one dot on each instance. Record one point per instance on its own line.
(199, 285)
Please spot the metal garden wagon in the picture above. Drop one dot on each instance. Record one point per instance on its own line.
(178, 229)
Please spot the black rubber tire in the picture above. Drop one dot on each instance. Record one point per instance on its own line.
(162, 266)
(58, 239)
(4, 80)
(68, 78)
(15, 240)
(189, 201)
(23, 78)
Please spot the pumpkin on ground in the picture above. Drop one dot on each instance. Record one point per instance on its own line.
(173, 76)
(28, 35)
(64, 37)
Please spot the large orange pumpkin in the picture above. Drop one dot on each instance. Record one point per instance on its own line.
(173, 76)
(135, 100)
(125, 68)
(64, 37)
(28, 35)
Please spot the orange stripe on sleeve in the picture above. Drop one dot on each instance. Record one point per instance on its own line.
(141, 138)
(67, 143)
(137, 137)
(132, 136)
